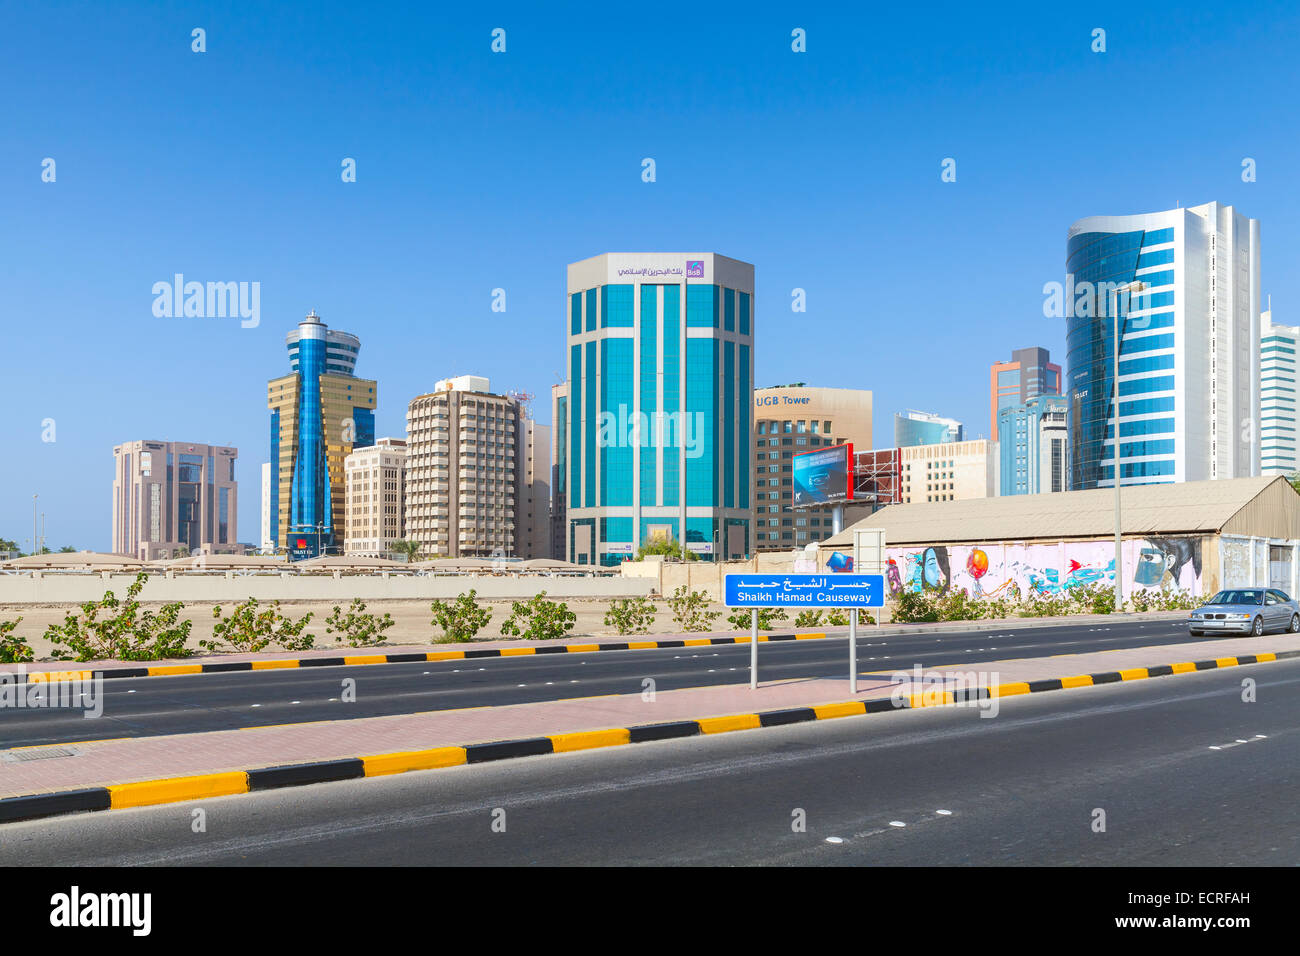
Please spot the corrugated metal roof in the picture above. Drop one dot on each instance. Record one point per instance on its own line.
(1185, 507)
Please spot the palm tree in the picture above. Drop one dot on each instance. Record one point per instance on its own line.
(409, 548)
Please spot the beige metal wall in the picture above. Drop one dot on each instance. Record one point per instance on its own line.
(1273, 513)
(38, 588)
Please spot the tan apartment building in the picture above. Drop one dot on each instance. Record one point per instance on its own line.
(789, 419)
(533, 539)
(376, 483)
(174, 498)
(949, 471)
(468, 461)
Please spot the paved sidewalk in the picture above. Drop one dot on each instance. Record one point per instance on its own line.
(377, 655)
(112, 762)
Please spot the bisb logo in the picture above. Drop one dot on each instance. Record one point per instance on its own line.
(695, 268)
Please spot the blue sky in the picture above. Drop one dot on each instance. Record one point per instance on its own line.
(478, 171)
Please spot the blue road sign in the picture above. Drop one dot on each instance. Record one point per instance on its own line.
(805, 590)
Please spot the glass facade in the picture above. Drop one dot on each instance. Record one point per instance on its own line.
(1279, 345)
(670, 493)
(918, 428)
(1021, 447)
(648, 382)
(658, 420)
(318, 415)
(310, 492)
(1116, 258)
(614, 438)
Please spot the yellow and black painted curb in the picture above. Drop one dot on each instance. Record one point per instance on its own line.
(199, 787)
(356, 660)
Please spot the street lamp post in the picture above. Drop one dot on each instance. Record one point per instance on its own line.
(35, 540)
(1131, 288)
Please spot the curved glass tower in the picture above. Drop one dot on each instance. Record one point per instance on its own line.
(319, 413)
(1188, 380)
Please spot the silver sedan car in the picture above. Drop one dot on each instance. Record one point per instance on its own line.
(1246, 611)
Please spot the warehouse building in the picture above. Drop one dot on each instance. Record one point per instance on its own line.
(1197, 536)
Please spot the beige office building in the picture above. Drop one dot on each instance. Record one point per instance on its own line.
(470, 456)
(174, 498)
(533, 538)
(789, 419)
(950, 471)
(376, 480)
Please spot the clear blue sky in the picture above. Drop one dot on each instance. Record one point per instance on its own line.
(478, 170)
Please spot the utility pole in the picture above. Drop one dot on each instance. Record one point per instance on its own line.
(1131, 288)
(36, 548)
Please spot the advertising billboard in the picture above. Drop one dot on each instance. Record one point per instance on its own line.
(823, 477)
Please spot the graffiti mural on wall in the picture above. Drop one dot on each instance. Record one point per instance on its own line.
(999, 570)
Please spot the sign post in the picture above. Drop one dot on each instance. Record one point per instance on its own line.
(784, 590)
(853, 651)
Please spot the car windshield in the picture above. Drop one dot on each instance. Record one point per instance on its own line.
(1238, 597)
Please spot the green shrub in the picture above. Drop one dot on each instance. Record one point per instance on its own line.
(690, 610)
(252, 628)
(742, 619)
(959, 606)
(357, 627)
(538, 619)
(914, 607)
(461, 619)
(838, 618)
(669, 548)
(1162, 600)
(810, 619)
(1093, 598)
(13, 649)
(633, 616)
(998, 607)
(1046, 605)
(128, 634)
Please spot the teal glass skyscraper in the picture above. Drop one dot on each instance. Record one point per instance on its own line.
(658, 431)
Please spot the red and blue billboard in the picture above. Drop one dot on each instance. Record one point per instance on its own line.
(822, 477)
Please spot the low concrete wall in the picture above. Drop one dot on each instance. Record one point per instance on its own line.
(43, 588)
(703, 576)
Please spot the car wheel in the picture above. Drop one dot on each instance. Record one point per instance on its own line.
(1258, 627)
(1295, 623)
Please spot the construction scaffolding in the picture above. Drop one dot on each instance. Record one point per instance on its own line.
(877, 477)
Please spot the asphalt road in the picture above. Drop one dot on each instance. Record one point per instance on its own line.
(1184, 770)
(204, 702)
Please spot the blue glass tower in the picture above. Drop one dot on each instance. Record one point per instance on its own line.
(1188, 346)
(319, 413)
(921, 428)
